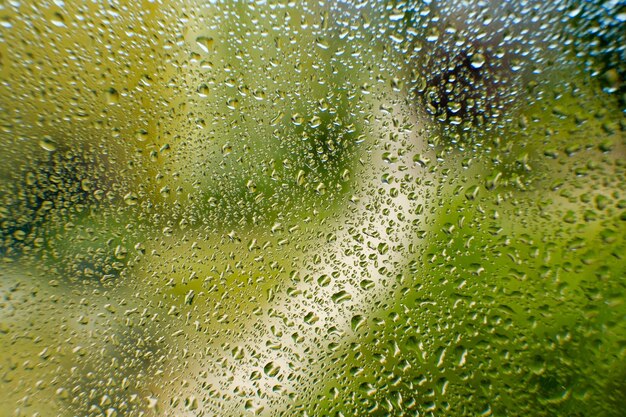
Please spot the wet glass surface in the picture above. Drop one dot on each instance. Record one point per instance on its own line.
(310, 209)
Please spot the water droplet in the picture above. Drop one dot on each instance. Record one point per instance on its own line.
(141, 135)
(477, 60)
(48, 144)
(58, 20)
(357, 322)
(271, 369)
(205, 43)
(131, 199)
(297, 119)
(112, 96)
(203, 90)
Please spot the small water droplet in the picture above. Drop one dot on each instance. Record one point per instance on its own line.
(141, 135)
(131, 199)
(227, 149)
(297, 119)
(315, 122)
(48, 144)
(357, 321)
(205, 43)
(203, 90)
(271, 369)
(477, 60)
(112, 96)
(58, 20)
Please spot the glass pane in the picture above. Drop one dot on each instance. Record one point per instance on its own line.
(312, 208)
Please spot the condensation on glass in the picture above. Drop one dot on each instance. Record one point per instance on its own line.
(308, 209)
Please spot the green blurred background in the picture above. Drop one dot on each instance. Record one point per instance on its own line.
(278, 208)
